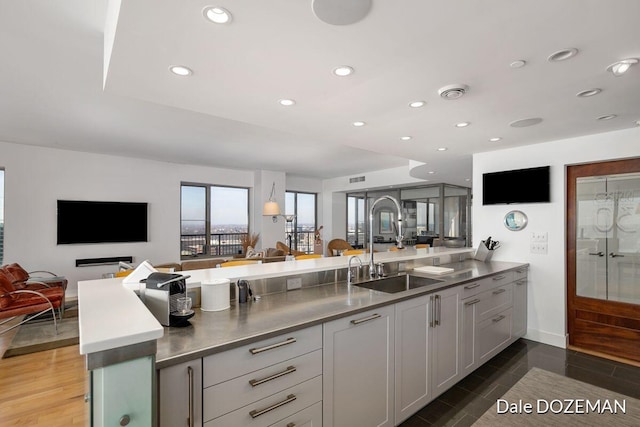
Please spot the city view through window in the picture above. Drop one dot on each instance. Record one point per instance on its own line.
(301, 232)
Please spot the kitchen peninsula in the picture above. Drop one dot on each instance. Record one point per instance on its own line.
(292, 356)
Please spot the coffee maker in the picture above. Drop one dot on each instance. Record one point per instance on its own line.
(160, 292)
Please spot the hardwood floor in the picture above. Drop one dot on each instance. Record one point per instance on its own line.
(43, 389)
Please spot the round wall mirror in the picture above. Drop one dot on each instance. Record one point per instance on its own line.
(515, 220)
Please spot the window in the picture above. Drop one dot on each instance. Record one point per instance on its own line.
(1, 216)
(355, 221)
(301, 231)
(213, 220)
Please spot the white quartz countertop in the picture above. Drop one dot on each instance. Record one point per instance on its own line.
(112, 316)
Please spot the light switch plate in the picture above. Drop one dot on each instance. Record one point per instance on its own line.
(540, 248)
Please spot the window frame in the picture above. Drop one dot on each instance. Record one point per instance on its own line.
(295, 245)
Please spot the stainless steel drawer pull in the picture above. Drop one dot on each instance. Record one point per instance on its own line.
(498, 278)
(475, 285)
(499, 318)
(191, 420)
(289, 370)
(499, 291)
(272, 346)
(256, 413)
(365, 319)
(291, 425)
(521, 282)
(473, 301)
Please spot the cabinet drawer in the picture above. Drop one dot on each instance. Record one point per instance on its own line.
(520, 273)
(494, 301)
(241, 391)
(494, 334)
(309, 417)
(230, 364)
(269, 410)
(473, 288)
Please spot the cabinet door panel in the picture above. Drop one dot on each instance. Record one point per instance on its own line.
(494, 334)
(175, 393)
(445, 341)
(520, 308)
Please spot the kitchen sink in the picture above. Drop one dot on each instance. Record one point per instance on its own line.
(399, 283)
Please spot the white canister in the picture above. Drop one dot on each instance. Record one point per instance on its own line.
(214, 295)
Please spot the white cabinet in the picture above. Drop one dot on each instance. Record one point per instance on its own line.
(180, 395)
(445, 343)
(358, 356)
(412, 371)
(520, 304)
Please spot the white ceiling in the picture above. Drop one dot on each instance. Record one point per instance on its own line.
(226, 114)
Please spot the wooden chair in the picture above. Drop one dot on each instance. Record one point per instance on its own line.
(308, 256)
(422, 246)
(240, 262)
(337, 245)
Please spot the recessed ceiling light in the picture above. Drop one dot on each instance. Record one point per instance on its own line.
(431, 172)
(405, 138)
(343, 71)
(518, 64)
(453, 91)
(607, 117)
(523, 123)
(286, 102)
(589, 92)
(442, 149)
(180, 70)
(417, 104)
(562, 55)
(621, 67)
(217, 15)
(495, 139)
(358, 124)
(462, 124)
(467, 179)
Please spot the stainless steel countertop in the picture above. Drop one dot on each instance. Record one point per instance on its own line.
(275, 314)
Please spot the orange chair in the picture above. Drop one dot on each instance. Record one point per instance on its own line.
(123, 273)
(422, 246)
(352, 252)
(240, 262)
(308, 256)
(394, 249)
(24, 277)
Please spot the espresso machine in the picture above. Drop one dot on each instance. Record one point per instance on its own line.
(160, 292)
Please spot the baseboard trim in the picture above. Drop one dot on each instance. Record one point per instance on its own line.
(546, 338)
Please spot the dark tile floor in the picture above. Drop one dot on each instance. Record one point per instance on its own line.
(465, 402)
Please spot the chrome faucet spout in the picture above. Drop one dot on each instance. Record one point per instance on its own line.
(399, 237)
(349, 274)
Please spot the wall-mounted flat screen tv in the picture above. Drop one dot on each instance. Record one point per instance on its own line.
(517, 186)
(101, 222)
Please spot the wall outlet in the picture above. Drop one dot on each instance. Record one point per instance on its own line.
(540, 248)
(294, 283)
(539, 236)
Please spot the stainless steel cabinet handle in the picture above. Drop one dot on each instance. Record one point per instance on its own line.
(289, 370)
(472, 302)
(521, 282)
(291, 425)
(365, 319)
(499, 291)
(596, 253)
(499, 318)
(498, 278)
(190, 420)
(257, 412)
(431, 312)
(475, 285)
(614, 255)
(272, 346)
(439, 308)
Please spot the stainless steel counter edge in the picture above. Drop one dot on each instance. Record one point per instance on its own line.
(277, 314)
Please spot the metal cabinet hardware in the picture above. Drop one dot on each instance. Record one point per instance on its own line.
(365, 319)
(614, 255)
(472, 302)
(291, 425)
(498, 278)
(124, 420)
(431, 312)
(475, 285)
(521, 282)
(272, 346)
(257, 412)
(499, 291)
(596, 253)
(499, 318)
(190, 420)
(439, 308)
(289, 370)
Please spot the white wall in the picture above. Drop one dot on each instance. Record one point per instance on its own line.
(547, 289)
(35, 178)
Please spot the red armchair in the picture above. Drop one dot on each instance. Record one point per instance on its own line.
(24, 277)
(32, 298)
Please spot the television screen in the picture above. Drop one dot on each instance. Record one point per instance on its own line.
(517, 186)
(101, 222)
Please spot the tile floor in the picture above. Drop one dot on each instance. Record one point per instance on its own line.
(464, 403)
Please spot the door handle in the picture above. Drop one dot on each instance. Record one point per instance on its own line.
(596, 253)
(614, 255)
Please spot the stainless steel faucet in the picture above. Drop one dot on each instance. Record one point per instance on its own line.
(372, 267)
(349, 274)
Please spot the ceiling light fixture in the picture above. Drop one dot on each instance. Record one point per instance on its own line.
(180, 70)
(562, 55)
(286, 102)
(523, 123)
(217, 15)
(495, 139)
(417, 104)
(621, 67)
(442, 149)
(589, 92)
(431, 172)
(518, 64)
(405, 138)
(453, 91)
(607, 117)
(462, 124)
(343, 71)
(358, 124)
